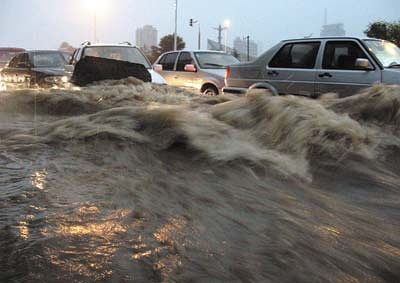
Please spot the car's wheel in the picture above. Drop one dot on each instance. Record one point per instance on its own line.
(210, 90)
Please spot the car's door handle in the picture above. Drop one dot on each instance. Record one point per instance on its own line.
(273, 73)
(325, 75)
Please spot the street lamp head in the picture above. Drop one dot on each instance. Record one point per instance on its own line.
(227, 23)
(98, 6)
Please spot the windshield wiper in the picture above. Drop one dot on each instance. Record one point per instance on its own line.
(214, 65)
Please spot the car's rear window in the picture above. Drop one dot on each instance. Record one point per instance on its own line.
(121, 53)
(300, 55)
(215, 60)
(48, 60)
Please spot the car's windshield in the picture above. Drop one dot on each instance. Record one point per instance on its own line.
(121, 53)
(214, 60)
(386, 52)
(48, 60)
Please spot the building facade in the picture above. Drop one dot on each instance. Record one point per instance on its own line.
(333, 30)
(146, 37)
(240, 46)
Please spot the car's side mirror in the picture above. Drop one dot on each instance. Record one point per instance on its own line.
(157, 67)
(69, 68)
(190, 68)
(363, 64)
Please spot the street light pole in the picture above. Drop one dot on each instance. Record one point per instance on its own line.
(199, 37)
(226, 40)
(176, 26)
(248, 48)
(95, 25)
(227, 25)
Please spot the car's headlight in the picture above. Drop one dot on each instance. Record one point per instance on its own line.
(50, 79)
(64, 79)
(56, 79)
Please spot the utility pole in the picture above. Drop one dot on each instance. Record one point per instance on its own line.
(95, 25)
(248, 47)
(176, 26)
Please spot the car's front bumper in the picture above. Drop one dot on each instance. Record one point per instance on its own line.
(234, 90)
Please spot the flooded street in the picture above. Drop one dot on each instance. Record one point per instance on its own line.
(130, 182)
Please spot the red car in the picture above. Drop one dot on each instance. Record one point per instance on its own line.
(7, 53)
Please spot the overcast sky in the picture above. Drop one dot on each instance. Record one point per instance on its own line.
(44, 24)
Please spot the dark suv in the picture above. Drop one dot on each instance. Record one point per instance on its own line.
(34, 69)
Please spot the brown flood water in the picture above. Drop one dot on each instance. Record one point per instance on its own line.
(131, 182)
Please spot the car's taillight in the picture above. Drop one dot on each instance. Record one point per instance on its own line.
(227, 72)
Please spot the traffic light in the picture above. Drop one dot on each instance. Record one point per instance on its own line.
(191, 22)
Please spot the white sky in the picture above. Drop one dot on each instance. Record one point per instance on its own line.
(44, 24)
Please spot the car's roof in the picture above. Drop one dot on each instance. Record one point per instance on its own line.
(11, 49)
(330, 37)
(195, 51)
(43, 51)
(108, 45)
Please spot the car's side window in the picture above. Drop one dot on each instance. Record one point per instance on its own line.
(184, 59)
(342, 55)
(168, 61)
(14, 62)
(73, 57)
(296, 55)
(24, 61)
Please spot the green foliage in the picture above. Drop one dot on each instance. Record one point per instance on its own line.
(384, 30)
(166, 44)
(236, 54)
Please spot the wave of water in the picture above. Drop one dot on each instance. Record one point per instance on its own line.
(130, 182)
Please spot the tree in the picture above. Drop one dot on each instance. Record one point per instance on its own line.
(384, 30)
(236, 54)
(166, 44)
(153, 53)
(65, 46)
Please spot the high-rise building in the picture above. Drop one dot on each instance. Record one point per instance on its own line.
(240, 46)
(333, 30)
(146, 37)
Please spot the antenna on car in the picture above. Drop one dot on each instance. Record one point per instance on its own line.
(127, 43)
(86, 43)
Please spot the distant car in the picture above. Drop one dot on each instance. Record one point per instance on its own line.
(314, 66)
(34, 69)
(6, 54)
(202, 71)
(124, 52)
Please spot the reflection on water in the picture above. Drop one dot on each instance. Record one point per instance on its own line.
(86, 241)
(23, 229)
(38, 179)
(167, 232)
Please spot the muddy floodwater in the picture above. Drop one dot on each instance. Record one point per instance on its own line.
(131, 182)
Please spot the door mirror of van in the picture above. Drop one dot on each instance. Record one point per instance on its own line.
(363, 64)
(190, 68)
(157, 67)
(69, 68)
